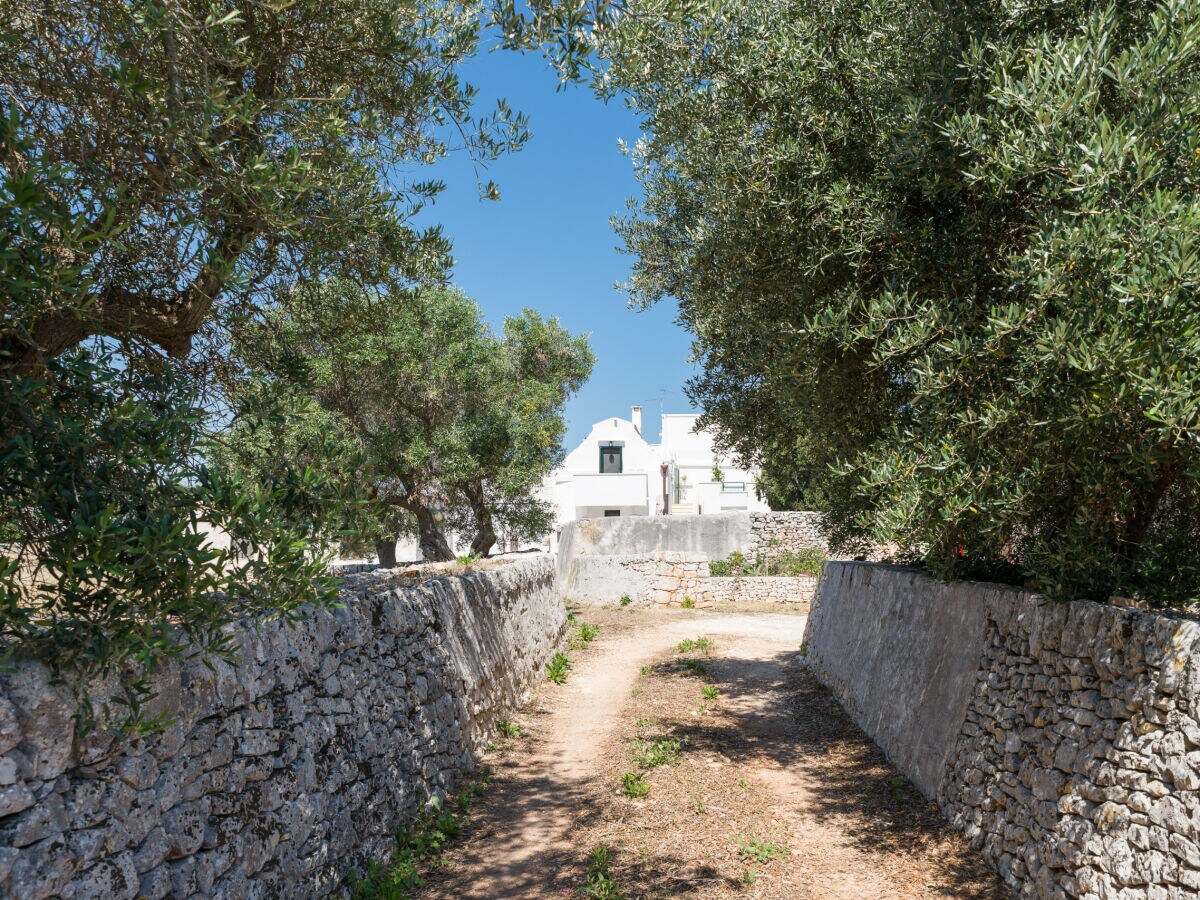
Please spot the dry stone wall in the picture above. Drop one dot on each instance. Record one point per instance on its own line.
(663, 559)
(798, 589)
(784, 532)
(279, 774)
(1063, 739)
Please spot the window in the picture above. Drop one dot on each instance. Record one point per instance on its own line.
(609, 513)
(610, 459)
(733, 487)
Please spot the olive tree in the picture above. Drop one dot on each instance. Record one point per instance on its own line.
(439, 423)
(941, 263)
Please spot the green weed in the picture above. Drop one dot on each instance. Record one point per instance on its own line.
(654, 752)
(647, 670)
(753, 850)
(710, 692)
(695, 645)
(598, 883)
(635, 785)
(694, 666)
(416, 848)
(688, 603)
(583, 636)
(558, 667)
(508, 729)
(625, 600)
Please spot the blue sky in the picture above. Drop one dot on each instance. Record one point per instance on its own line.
(547, 243)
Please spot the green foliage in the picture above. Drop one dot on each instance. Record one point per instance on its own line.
(626, 600)
(416, 848)
(752, 849)
(941, 263)
(165, 169)
(113, 570)
(583, 636)
(781, 565)
(598, 883)
(694, 666)
(227, 151)
(508, 728)
(428, 420)
(650, 753)
(701, 644)
(558, 667)
(688, 603)
(635, 785)
(710, 691)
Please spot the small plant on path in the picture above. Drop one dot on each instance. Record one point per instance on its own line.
(635, 785)
(761, 852)
(651, 753)
(598, 883)
(558, 667)
(710, 691)
(701, 644)
(625, 600)
(583, 636)
(508, 728)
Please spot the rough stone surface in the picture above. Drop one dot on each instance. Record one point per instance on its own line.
(784, 532)
(1071, 742)
(794, 589)
(664, 559)
(284, 772)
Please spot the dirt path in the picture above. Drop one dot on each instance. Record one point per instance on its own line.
(766, 800)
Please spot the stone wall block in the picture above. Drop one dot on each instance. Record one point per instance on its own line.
(283, 771)
(1075, 764)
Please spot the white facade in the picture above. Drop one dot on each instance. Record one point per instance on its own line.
(616, 472)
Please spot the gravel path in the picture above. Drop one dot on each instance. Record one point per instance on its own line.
(773, 759)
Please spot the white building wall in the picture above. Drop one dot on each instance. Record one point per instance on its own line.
(580, 490)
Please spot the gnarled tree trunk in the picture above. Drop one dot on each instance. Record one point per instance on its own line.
(385, 549)
(430, 538)
(485, 530)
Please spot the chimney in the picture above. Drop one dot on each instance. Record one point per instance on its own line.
(637, 419)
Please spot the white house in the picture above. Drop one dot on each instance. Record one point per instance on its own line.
(616, 472)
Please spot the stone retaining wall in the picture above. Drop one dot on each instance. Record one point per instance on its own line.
(664, 578)
(1063, 739)
(662, 559)
(784, 532)
(282, 773)
(798, 589)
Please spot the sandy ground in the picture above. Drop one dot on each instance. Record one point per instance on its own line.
(776, 795)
